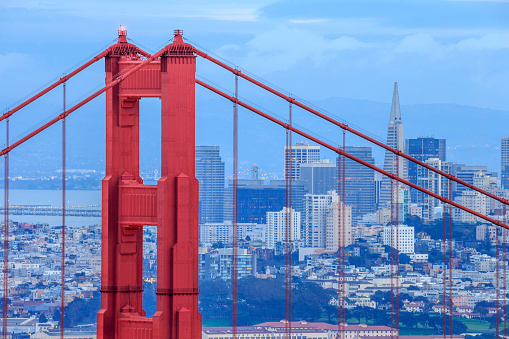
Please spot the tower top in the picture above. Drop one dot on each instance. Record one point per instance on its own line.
(177, 36)
(122, 34)
(395, 111)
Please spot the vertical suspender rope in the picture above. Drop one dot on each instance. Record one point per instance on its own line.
(341, 283)
(235, 207)
(6, 236)
(343, 233)
(497, 279)
(392, 258)
(288, 229)
(286, 225)
(397, 249)
(62, 303)
(450, 259)
(444, 276)
(504, 263)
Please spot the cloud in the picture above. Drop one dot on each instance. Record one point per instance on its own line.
(283, 47)
(227, 10)
(493, 41)
(419, 43)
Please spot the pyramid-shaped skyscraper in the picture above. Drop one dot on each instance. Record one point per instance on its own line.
(395, 140)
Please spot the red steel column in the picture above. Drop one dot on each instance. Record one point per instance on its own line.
(122, 243)
(177, 313)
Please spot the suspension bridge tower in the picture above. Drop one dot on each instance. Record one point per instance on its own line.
(128, 205)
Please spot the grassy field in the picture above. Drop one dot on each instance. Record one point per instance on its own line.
(476, 325)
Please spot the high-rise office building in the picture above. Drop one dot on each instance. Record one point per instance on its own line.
(319, 177)
(359, 182)
(210, 175)
(255, 199)
(433, 182)
(504, 168)
(423, 148)
(394, 140)
(301, 153)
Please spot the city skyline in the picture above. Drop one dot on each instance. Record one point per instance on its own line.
(171, 249)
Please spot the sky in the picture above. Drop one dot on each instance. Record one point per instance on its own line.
(439, 51)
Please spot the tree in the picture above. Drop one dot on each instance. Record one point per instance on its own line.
(423, 319)
(357, 261)
(42, 318)
(404, 259)
(481, 307)
(56, 315)
(332, 311)
(407, 319)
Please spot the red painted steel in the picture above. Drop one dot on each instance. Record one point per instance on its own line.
(288, 230)
(444, 277)
(234, 275)
(343, 234)
(5, 301)
(392, 256)
(341, 152)
(497, 280)
(397, 249)
(62, 291)
(348, 128)
(171, 205)
(504, 263)
(450, 260)
(340, 259)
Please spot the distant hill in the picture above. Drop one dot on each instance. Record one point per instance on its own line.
(473, 134)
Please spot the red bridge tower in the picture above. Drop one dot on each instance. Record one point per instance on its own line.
(128, 205)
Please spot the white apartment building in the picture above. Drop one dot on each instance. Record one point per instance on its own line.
(338, 223)
(278, 224)
(315, 221)
(399, 236)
